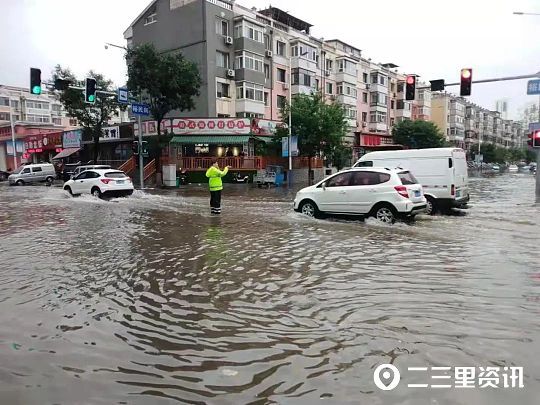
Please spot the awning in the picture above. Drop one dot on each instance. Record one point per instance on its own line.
(267, 139)
(66, 152)
(209, 139)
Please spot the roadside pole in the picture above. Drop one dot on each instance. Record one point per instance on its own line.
(538, 159)
(141, 159)
(13, 140)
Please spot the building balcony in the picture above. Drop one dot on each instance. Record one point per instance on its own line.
(250, 106)
(345, 77)
(345, 99)
(403, 113)
(301, 89)
(303, 63)
(378, 87)
(378, 127)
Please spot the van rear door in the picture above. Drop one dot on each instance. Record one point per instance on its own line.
(461, 177)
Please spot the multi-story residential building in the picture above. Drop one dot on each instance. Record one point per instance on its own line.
(468, 125)
(251, 62)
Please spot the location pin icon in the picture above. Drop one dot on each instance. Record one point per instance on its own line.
(386, 377)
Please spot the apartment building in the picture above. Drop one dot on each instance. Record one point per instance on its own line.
(467, 125)
(251, 62)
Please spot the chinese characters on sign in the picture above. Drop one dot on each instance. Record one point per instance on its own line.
(210, 126)
(140, 109)
(38, 143)
(110, 133)
(450, 377)
(533, 87)
(72, 139)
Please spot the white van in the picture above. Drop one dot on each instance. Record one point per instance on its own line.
(441, 171)
(33, 173)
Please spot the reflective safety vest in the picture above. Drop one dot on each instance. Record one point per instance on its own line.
(215, 175)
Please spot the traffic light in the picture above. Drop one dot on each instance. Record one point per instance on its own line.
(410, 87)
(135, 147)
(144, 148)
(61, 84)
(534, 139)
(437, 85)
(466, 82)
(35, 81)
(90, 91)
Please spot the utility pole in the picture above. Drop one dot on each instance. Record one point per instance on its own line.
(141, 158)
(538, 160)
(13, 137)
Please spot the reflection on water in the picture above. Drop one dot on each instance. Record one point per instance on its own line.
(149, 299)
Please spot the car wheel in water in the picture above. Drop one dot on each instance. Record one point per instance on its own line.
(96, 192)
(385, 213)
(49, 180)
(19, 183)
(431, 207)
(68, 189)
(309, 208)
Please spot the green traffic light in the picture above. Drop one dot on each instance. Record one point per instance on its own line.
(36, 90)
(91, 98)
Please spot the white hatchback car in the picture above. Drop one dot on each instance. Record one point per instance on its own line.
(100, 183)
(386, 194)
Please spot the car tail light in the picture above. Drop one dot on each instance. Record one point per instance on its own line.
(452, 189)
(129, 180)
(402, 191)
(106, 181)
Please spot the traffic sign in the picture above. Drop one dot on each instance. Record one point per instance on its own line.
(140, 109)
(533, 87)
(534, 126)
(123, 95)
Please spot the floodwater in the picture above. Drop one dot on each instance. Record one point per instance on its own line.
(150, 300)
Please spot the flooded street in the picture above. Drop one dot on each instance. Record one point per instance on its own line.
(150, 300)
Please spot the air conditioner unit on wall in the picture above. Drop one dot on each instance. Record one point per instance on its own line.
(268, 54)
(230, 73)
(327, 72)
(228, 40)
(285, 86)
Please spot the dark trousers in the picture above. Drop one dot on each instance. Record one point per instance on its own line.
(215, 202)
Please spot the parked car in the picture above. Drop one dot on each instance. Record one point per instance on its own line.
(386, 194)
(100, 183)
(441, 171)
(4, 175)
(33, 173)
(68, 169)
(79, 169)
(513, 168)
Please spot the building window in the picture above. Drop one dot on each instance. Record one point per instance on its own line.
(266, 71)
(347, 67)
(317, 84)
(281, 101)
(382, 80)
(364, 116)
(304, 51)
(38, 118)
(15, 103)
(73, 122)
(4, 116)
(281, 75)
(267, 42)
(379, 99)
(346, 89)
(365, 77)
(223, 60)
(281, 48)
(248, 60)
(377, 117)
(392, 121)
(57, 121)
(266, 94)
(249, 30)
(56, 108)
(222, 27)
(329, 88)
(392, 104)
(223, 90)
(250, 91)
(302, 77)
(400, 87)
(364, 97)
(350, 112)
(37, 105)
(151, 16)
(4, 101)
(392, 87)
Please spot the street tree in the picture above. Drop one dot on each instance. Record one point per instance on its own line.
(91, 117)
(418, 134)
(166, 82)
(320, 127)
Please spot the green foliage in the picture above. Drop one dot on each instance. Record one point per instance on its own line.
(319, 126)
(92, 117)
(530, 155)
(496, 154)
(166, 82)
(418, 134)
(340, 156)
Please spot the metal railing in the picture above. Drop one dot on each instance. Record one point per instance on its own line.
(149, 169)
(241, 163)
(128, 166)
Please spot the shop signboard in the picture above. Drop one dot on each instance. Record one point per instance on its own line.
(72, 139)
(211, 126)
(43, 142)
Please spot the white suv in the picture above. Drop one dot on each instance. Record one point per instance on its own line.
(100, 183)
(385, 194)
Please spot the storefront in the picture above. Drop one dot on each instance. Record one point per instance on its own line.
(366, 142)
(71, 147)
(42, 147)
(115, 145)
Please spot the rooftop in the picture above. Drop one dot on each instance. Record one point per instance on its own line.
(287, 19)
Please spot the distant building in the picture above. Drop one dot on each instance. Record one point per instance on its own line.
(502, 107)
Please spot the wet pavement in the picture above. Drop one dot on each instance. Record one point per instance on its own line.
(150, 300)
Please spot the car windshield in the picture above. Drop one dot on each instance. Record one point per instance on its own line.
(18, 170)
(407, 178)
(115, 175)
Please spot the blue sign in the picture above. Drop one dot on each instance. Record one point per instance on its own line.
(533, 86)
(72, 139)
(140, 109)
(534, 126)
(294, 145)
(285, 146)
(123, 95)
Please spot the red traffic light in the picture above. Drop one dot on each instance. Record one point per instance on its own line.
(534, 139)
(466, 73)
(411, 79)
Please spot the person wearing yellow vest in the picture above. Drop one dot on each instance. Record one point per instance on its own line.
(216, 185)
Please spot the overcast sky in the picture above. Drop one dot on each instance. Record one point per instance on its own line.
(432, 38)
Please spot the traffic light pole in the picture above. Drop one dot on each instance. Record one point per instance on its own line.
(497, 79)
(538, 161)
(141, 159)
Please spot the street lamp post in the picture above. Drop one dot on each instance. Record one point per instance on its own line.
(12, 123)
